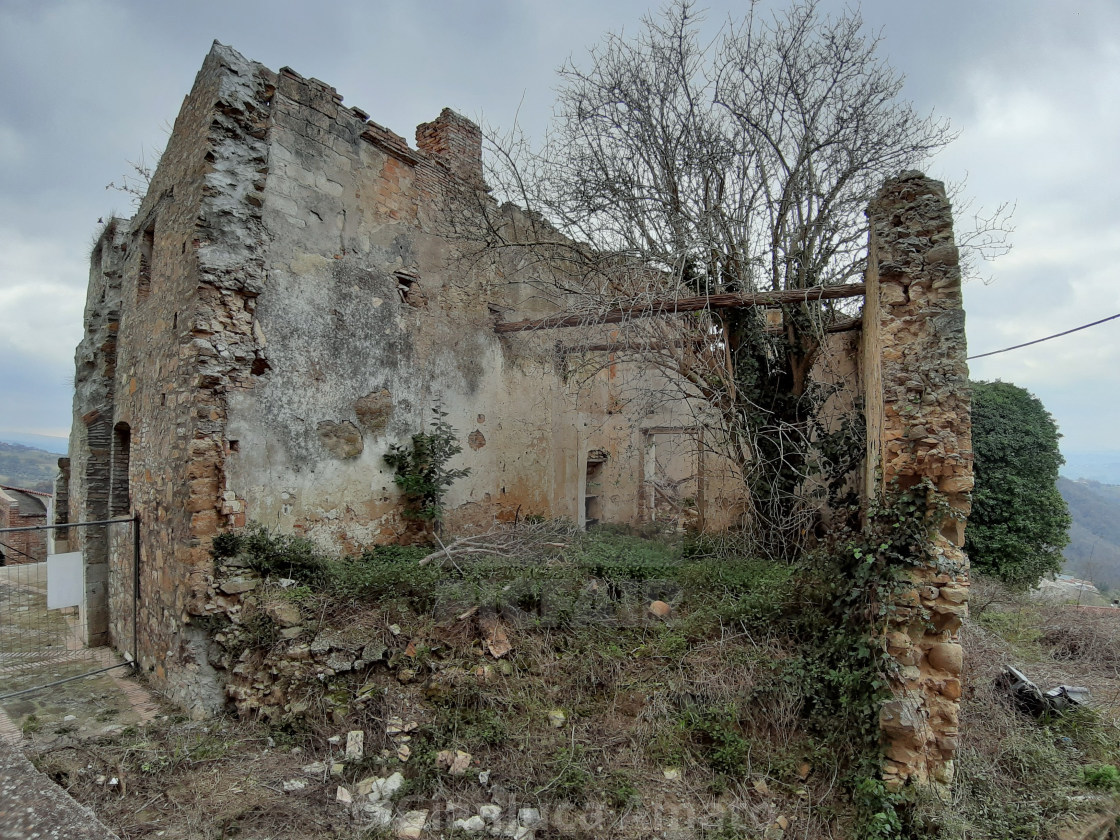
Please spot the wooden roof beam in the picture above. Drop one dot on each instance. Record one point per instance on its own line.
(843, 325)
(675, 306)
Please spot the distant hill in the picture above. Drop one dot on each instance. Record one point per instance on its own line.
(1093, 552)
(1096, 466)
(51, 443)
(27, 467)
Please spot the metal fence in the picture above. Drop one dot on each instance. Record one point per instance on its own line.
(40, 646)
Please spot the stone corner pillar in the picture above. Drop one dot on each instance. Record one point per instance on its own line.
(917, 405)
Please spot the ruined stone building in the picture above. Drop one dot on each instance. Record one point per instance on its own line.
(287, 303)
(23, 509)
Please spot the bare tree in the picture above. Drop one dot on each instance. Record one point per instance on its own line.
(680, 168)
(136, 182)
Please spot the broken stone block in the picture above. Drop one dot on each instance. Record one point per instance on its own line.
(284, 613)
(366, 785)
(490, 813)
(947, 657)
(340, 661)
(954, 594)
(343, 795)
(380, 815)
(411, 825)
(557, 718)
(471, 825)
(355, 745)
(455, 762)
(373, 652)
(293, 785)
(235, 586)
(385, 789)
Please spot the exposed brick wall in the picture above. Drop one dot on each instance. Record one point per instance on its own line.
(455, 142)
(919, 428)
(20, 509)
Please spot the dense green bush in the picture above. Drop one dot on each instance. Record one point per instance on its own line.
(1019, 522)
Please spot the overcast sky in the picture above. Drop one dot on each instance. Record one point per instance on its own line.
(1032, 86)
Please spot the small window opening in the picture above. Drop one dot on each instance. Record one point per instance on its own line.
(407, 284)
(147, 246)
(120, 503)
(592, 501)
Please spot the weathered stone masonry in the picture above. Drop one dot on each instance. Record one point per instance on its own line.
(288, 302)
(919, 429)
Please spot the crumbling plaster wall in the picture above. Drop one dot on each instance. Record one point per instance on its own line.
(284, 305)
(371, 314)
(915, 378)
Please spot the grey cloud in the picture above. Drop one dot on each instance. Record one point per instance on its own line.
(89, 85)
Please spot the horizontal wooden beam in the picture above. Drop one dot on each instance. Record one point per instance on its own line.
(843, 325)
(671, 430)
(655, 308)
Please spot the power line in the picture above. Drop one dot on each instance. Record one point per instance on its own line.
(1047, 338)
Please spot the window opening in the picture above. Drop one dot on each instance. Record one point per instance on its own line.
(592, 494)
(406, 283)
(147, 246)
(119, 502)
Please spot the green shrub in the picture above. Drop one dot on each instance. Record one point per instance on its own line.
(619, 789)
(714, 732)
(747, 589)
(611, 555)
(877, 816)
(570, 778)
(422, 473)
(281, 555)
(1101, 776)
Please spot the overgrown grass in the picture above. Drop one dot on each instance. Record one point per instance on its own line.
(1018, 776)
(761, 670)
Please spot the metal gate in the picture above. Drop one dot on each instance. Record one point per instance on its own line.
(41, 647)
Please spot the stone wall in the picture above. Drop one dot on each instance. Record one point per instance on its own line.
(284, 306)
(294, 295)
(919, 432)
(147, 380)
(23, 509)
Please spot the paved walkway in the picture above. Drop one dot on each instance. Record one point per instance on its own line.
(32, 806)
(37, 647)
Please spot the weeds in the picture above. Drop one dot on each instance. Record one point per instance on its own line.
(571, 777)
(715, 733)
(1101, 777)
(759, 670)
